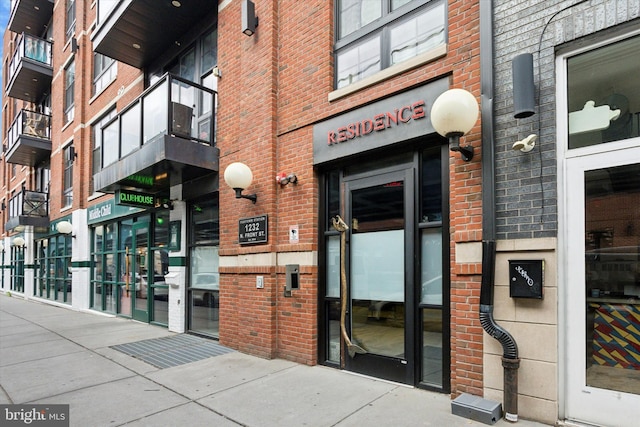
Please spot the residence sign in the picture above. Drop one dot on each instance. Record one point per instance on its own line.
(377, 123)
(391, 120)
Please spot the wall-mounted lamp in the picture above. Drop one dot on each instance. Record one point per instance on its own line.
(239, 176)
(18, 242)
(249, 18)
(284, 179)
(453, 115)
(65, 227)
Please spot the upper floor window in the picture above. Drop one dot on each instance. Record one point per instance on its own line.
(15, 204)
(43, 177)
(376, 34)
(96, 136)
(67, 184)
(70, 20)
(104, 72)
(604, 100)
(69, 80)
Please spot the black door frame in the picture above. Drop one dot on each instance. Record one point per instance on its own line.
(331, 181)
(390, 368)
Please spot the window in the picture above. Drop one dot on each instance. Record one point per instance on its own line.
(204, 277)
(43, 177)
(70, 22)
(67, 187)
(376, 34)
(69, 80)
(104, 72)
(58, 263)
(96, 136)
(15, 204)
(603, 100)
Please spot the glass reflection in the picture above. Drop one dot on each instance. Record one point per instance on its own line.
(612, 273)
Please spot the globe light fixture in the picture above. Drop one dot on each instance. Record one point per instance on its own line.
(239, 176)
(64, 227)
(454, 113)
(18, 242)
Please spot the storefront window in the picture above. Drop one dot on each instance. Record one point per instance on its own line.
(41, 268)
(431, 271)
(17, 269)
(612, 272)
(55, 279)
(204, 276)
(160, 301)
(603, 101)
(105, 274)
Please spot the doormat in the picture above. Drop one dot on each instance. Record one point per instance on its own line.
(171, 351)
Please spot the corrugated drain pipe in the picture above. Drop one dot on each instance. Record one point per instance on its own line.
(510, 359)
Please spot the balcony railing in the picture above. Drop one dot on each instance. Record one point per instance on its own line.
(104, 9)
(30, 71)
(32, 48)
(28, 208)
(172, 106)
(29, 123)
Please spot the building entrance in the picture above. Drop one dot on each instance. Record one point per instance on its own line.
(379, 304)
(138, 271)
(385, 295)
(603, 292)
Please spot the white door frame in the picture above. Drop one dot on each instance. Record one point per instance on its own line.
(576, 400)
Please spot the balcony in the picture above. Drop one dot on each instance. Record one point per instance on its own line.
(163, 138)
(30, 69)
(30, 16)
(29, 138)
(138, 32)
(28, 208)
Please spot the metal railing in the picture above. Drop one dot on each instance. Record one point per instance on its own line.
(32, 48)
(104, 10)
(29, 203)
(171, 106)
(29, 123)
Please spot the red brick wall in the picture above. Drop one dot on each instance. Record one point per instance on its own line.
(274, 89)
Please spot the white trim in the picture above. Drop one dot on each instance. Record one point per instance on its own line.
(402, 67)
(576, 401)
(270, 259)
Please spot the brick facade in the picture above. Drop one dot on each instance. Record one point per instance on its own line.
(289, 60)
(275, 87)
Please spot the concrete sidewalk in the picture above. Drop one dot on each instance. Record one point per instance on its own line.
(54, 355)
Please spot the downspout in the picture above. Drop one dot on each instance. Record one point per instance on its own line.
(510, 359)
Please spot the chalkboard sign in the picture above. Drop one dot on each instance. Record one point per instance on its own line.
(253, 230)
(525, 278)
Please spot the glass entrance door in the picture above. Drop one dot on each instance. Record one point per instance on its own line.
(139, 270)
(380, 303)
(603, 288)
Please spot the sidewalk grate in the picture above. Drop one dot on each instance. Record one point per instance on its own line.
(171, 351)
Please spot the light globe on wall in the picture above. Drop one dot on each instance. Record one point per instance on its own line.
(454, 113)
(64, 227)
(239, 176)
(18, 242)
